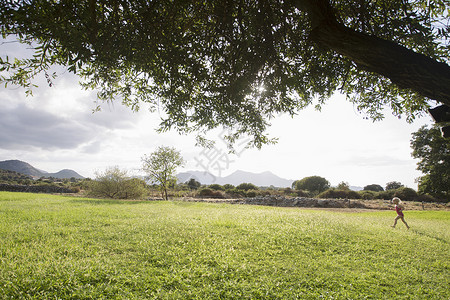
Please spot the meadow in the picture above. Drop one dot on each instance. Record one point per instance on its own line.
(59, 247)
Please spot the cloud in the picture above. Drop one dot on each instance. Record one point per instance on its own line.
(60, 118)
(25, 127)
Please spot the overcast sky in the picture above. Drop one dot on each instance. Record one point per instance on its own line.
(56, 129)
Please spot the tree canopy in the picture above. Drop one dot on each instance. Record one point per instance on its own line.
(313, 184)
(393, 185)
(161, 166)
(237, 64)
(433, 152)
(373, 187)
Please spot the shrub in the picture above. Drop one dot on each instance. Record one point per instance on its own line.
(236, 193)
(216, 187)
(406, 193)
(426, 198)
(114, 183)
(193, 184)
(301, 193)
(287, 191)
(76, 189)
(246, 187)
(343, 186)
(209, 193)
(251, 193)
(386, 195)
(373, 187)
(368, 195)
(228, 186)
(205, 192)
(339, 194)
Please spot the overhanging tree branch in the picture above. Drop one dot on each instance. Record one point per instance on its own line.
(404, 67)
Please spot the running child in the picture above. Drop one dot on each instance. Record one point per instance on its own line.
(399, 209)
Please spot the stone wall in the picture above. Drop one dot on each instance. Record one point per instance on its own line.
(302, 202)
(287, 202)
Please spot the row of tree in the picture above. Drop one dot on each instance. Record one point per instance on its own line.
(428, 145)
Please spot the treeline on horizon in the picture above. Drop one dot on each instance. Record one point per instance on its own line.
(134, 188)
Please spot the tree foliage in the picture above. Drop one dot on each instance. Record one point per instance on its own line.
(193, 184)
(161, 166)
(343, 186)
(237, 64)
(246, 186)
(393, 185)
(433, 152)
(313, 184)
(216, 187)
(373, 187)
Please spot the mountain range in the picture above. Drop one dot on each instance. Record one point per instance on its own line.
(236, 178)
(259, 179)
(27, 169)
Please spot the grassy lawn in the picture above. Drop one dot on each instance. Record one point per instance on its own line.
(55, 247)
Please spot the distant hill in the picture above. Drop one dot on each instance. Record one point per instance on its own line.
(20, 167)
(201, 176)
(66, 173)
(27, 169)
(236, 178)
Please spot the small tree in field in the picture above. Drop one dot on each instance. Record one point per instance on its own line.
(161, 166)
(343, 186)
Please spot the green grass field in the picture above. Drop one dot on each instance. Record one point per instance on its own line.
(55, 247)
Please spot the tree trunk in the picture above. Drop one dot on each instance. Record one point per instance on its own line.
(405, 68)
(165, 194)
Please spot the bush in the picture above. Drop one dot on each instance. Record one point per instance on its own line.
(386, 195)
(302, 193)
(246, 187)
(287, 191)
(339, 194)
(209, 193)
(76, 189)
(406, 194)
(205, 192)
(228, 186)
(426, 198)
(114, 183)
(193, 184)
(236, 193)
(373, 187)
(251, 193)
(216, 187)
(368, 195)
